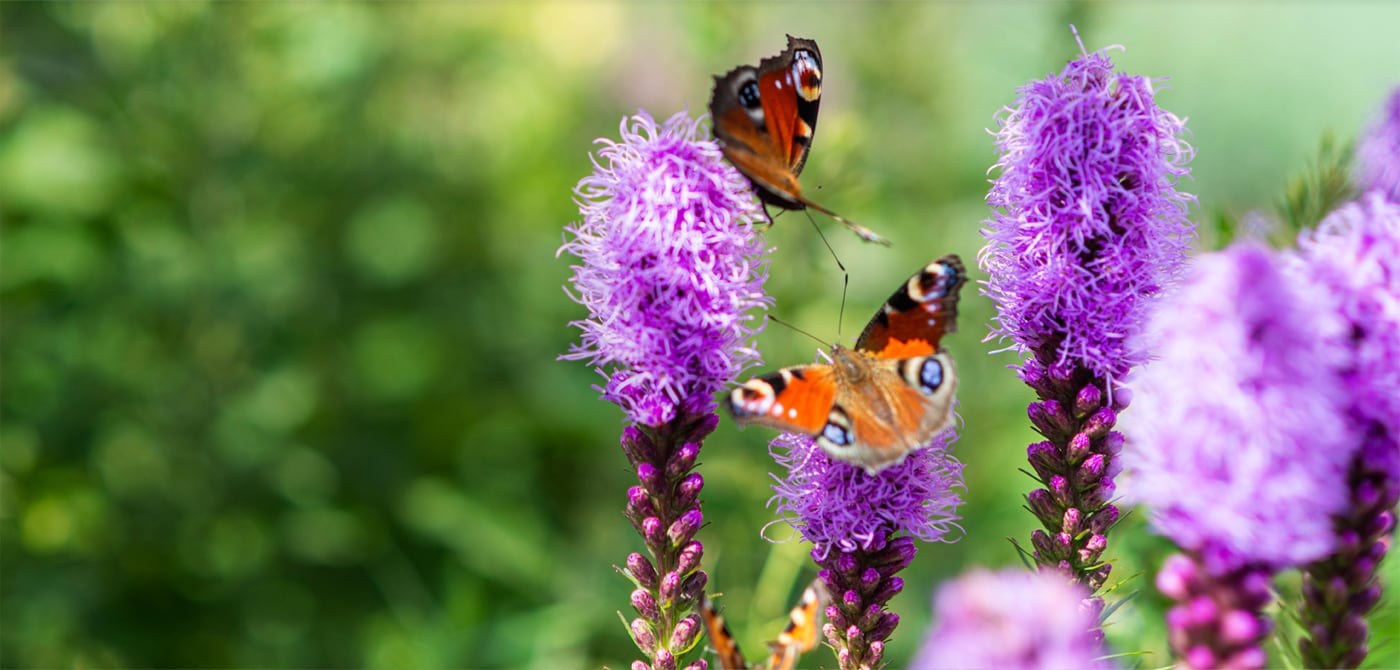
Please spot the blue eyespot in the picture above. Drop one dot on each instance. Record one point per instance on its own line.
(749, 97)
(836, 435)
(931, 375)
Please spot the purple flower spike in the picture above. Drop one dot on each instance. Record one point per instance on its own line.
(1245, 465)
(863, 527)
(1378, 154)
(1089, 225)
(670, 271)
(1355, 254)
(1012, 619)
(1088, 230)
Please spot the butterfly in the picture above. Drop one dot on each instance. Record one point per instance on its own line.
(764, 118)
(888, 396)
(799, 636)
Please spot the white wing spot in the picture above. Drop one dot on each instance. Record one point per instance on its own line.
(792, 413)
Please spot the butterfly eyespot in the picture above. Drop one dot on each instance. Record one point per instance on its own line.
(749, 96)
(837, 431)
(807, 73)
(930, 375)
(836, 435)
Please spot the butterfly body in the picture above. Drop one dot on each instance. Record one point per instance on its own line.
(890, 395)
(764, 118)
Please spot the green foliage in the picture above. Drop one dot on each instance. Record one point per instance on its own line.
(1325, 186)
(281, 305)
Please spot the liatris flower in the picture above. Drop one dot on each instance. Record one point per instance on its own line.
(1355, 255)
(671, 268)
(1012, 619)
(1378, 154)
(1089, 228)
(1239, 444)
(863, 527)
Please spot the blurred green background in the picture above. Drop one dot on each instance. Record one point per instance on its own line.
(281, 304)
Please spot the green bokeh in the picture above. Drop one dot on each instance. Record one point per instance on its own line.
(281, 306)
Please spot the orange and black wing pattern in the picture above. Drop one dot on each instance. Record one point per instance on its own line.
(915, 319)
(796, 399)
(799, 636)
(764, 118)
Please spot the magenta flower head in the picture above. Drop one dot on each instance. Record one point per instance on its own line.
(670, 271)
(863, 528)
(1089, 226)
(1012, 619)
(1355, 255)
(1088, 229)
(1378, 153)
(1239, 443)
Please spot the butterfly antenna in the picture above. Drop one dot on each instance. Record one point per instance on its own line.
(828, 244)
(841, 314)
(781, 322)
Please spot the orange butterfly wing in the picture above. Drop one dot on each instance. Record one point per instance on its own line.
(795, 399)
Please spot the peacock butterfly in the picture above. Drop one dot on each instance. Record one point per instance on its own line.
(799, 636)
(888, 396)
(764, 118)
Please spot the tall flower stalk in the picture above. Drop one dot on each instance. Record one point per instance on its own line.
(671, 271)
(863, 529)
(1240, 445)
(1355, 253)
(1088, 229)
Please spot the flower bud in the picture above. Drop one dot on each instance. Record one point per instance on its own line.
(641, 570)
(644, 635)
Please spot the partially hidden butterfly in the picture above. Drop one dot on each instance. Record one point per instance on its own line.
(764, 118)
(799, 636)
(888, 396)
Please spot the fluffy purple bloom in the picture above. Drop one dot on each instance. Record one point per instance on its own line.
(1378, 153)
(1012, 619)
(1239, 443)
(838, 507)
(671, 269)
(1355, 255)
(1089, 225)
(863, 527)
